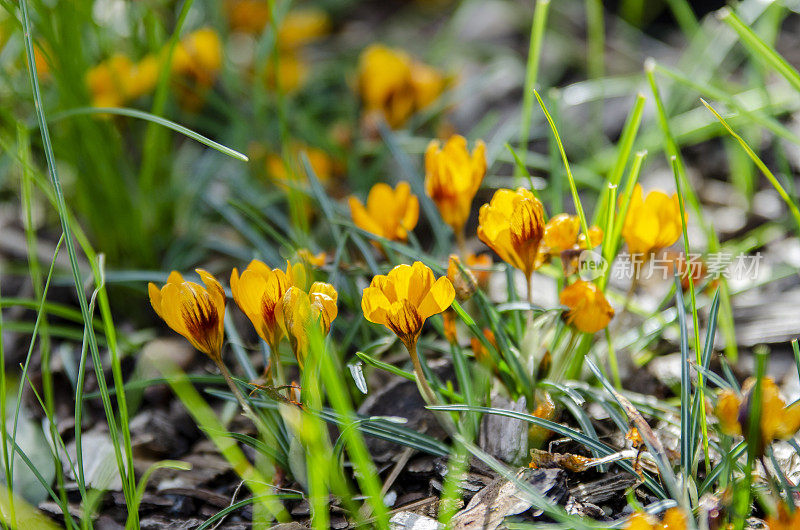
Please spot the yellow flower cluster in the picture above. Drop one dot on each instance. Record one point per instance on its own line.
(394, 85)
(512, 224)
(276, 302)
(389, 213)
(119, 80)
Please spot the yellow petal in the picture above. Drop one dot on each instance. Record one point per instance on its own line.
(324, 296)
(362, 219)
(375, 305)
(439, 297)
(727, 412)
(155, 298)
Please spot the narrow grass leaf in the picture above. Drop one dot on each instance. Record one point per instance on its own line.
(761, 165)
(158, 120)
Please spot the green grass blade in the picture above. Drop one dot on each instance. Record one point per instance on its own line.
(710, 91)
(538, 25)
(695, 319)
(760, 49)
(708, 348)
(761, 165)
(684, 15)
(686, 387)
(158, 120)
(207, 420)
(624, 148)
(612, 244)
(671, 147)
(34, 334)
(211, 521)
(520, 167)
(125, 468)
(573, 189)
(366, 472)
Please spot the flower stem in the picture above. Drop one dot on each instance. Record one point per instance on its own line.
(637, 267)
(238, 394)
(427, 392)
(529, 285)
(275, 362)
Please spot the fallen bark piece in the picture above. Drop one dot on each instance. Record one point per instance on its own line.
(502, 498)
(505, 438)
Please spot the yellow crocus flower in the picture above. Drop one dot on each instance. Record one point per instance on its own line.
(512, 224)
(403, 299)
(776, 422)
(562, 232)
(199, 56)
(595, 238)
(300, 309)
(194, 311)
(302, 26)
(389, 213)
(652, 223)
(452, 178)
(589, 311)
(257, 292)
(393, 84)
